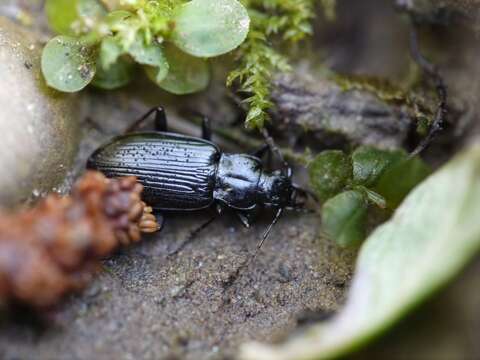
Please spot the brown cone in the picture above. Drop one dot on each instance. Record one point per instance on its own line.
(54, 248)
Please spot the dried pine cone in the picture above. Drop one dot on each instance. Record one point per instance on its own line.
(55, 247)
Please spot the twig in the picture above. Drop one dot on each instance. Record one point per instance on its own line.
(432, 71)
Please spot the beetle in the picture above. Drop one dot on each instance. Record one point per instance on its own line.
(184, 173)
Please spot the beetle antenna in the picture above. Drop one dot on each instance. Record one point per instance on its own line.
(247, 263)
(267, 232)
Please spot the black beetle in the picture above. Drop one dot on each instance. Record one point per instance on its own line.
(183, 173)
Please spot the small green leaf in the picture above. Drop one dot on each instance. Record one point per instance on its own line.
(91, 11)
(344, 217)
(186, 74)
(147, 54)
(110, 51)
(329, 173)
(207, 28)
(67, 64)
(370, 162)
(157, 75)
(400, 178)
(433, 235)
(375, 198)
(117, 17)
(61, 14)
(118, 74)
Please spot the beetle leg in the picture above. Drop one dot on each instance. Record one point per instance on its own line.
(206, 128)
(264, 149)
(160, 120)
(246, 217)
(192, 236)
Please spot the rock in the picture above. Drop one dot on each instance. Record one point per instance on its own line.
(38, 127)
(332, 115)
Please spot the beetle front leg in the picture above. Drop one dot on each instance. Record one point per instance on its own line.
(206, 128)
(246, 217)
(160, 120)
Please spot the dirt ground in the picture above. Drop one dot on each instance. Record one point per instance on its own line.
(146, 305)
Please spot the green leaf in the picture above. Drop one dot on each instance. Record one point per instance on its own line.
(400, 178)
(374, 198)
(117, 18)
(157, 75)
(91, 11)
(117, 75)
(433, 235)
(186, 73)
(147, 54)
(370, 162)
(207, 28)
(61, 14)
(110, 51)
(67, 64)
(329, 173)
(344, 217)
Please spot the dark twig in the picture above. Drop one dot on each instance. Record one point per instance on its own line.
(432, 71)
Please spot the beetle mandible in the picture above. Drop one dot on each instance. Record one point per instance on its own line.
(184, 173)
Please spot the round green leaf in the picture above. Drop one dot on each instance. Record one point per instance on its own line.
(67, 64)
(344, 217)
(329, 173)
(400, 178)
(207, 28)
(61, 14)
(186, 74)
(147, 54)
(118, 74)
(370, 162)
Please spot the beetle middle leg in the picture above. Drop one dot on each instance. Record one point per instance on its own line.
(192, 236)
(160, 120)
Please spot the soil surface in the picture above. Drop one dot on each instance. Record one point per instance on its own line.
(149, 306)
(146, 304)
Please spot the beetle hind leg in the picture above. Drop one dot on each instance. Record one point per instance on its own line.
(262, 151)
(160, 120)
(206, 128)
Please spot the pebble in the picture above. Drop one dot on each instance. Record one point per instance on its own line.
(39, 130)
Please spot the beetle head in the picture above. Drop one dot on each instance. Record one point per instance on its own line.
(276, 190)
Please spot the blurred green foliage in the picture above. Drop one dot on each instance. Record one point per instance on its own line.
(121, 33)
(349, 184)
(170, 39)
